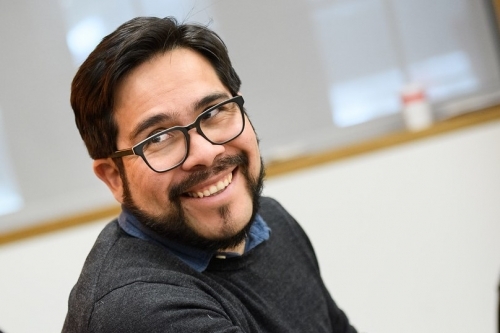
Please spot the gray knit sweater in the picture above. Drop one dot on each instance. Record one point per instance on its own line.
(131, 285)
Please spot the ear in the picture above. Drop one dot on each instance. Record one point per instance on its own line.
(107, 171)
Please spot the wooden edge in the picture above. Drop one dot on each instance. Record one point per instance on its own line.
(278, 168)
(59, 224)
(496, 6)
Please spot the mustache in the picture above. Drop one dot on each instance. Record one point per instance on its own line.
(199, 176)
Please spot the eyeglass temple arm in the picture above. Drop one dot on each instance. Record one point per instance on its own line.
(121, 153)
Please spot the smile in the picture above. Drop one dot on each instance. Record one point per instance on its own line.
(213, 188)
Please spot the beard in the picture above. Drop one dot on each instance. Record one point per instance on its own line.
(173, 224)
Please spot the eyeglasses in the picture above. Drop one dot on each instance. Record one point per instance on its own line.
(166, 150)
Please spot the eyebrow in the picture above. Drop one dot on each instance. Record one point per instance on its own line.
(209, 99)
(147, 123)
(163, 117)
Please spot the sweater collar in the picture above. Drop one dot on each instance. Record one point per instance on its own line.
(195, 258)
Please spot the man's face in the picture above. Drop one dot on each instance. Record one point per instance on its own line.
(172, 89)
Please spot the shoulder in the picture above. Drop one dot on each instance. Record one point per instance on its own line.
(169, 299)
(278, 218)
(117, 265)
(118, 259)
(271, 209)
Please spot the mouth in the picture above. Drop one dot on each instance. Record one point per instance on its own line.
(211, 189)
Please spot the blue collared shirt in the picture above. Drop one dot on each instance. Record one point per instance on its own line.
(195, 258)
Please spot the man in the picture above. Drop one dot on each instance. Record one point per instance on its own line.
(196, 248)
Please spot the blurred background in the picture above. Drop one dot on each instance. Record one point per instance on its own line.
(407, 236)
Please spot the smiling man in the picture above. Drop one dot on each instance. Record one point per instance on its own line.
(196, 248)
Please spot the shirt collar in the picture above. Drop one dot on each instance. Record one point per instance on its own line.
(193, 257)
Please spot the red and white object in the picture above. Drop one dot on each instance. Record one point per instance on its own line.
(417, 111)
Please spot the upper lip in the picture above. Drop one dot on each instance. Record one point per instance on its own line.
(211, 181)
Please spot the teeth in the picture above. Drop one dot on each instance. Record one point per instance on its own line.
(221, 184)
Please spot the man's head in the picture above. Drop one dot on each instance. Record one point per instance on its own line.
(130, 45)
(149, 75)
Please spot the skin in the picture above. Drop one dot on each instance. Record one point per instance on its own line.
(174, 88)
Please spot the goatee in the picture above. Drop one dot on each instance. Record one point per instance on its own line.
(173, 225)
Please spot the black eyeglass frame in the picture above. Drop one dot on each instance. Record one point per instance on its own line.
(138, 149)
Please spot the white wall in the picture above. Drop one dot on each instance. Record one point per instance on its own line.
(407, 240)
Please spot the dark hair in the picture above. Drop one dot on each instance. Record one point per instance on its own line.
(132, 44)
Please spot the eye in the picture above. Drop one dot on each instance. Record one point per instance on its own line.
(160, 138)
(164, 142)
(210, 114)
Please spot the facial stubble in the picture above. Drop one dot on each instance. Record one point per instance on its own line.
(173, 224)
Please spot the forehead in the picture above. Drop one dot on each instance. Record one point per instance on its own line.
(169, 84)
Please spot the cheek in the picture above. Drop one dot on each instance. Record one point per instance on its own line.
(253, 151)
(255, 161)
(249, 139)
(247, 143)
(148, 188)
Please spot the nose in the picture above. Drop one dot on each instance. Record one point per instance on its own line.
(202, 153)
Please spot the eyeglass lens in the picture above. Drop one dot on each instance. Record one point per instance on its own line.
(169, 148)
